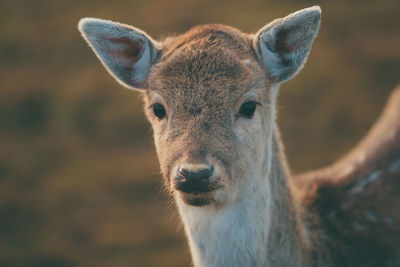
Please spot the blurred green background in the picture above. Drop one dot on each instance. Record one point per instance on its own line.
(79, 178)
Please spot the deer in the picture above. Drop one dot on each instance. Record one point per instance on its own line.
(210, 95)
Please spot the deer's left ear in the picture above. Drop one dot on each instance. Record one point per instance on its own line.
(283, 45)
(126, 52)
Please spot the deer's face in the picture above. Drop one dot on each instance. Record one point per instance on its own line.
(209, 95)
(211, 110)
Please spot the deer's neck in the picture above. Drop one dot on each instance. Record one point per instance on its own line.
(258, 229)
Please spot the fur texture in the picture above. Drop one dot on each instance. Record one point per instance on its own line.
(202, 79)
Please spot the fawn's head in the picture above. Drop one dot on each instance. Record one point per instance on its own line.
(209, 95)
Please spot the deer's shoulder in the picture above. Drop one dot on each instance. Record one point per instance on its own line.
(356, 199)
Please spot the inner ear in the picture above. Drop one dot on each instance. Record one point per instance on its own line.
(126, 51)
(283, 44)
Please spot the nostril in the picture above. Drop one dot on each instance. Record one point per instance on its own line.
(203, 174)
(195, 181)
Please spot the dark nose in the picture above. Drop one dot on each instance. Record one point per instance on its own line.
(194, 181)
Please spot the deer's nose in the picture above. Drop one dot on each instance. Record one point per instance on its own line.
(196, 174)
(194, 180)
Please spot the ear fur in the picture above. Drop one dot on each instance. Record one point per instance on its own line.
(283, 45)
(126, 52)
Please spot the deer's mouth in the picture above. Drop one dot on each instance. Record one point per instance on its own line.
(197, 199)
(197, 195)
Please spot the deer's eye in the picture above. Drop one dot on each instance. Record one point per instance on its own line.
(247, 109)
(159, 110)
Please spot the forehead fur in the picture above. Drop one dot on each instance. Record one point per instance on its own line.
(218, 34)
(208, 62)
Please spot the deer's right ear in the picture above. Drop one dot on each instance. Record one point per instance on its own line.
(126, 52)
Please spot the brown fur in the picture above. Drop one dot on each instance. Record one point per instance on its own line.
(203, 75)
(356, 199)
(344, 215)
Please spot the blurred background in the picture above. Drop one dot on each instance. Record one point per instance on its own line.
(79, 178)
